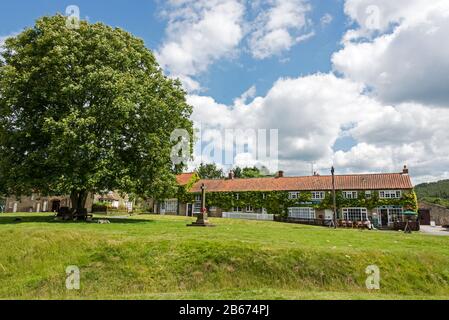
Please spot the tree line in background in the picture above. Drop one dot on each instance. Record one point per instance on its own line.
(435, 192)
(211, 171)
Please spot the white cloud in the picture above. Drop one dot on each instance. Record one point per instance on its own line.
(326, 19)
(380, 15)
(312, 112)
(392, 100)
(305, 37)
(2, 41)
(199, 33)
(309, 113)
(408, 64)
(277, 29)
(249, 94)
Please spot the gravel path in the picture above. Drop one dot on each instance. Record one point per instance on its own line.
(436, 231)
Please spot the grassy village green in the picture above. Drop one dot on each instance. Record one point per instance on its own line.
(158, 257)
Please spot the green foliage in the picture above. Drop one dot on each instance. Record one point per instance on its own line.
(435, 192)
(102, 204)
(278, 202)
(158, 257)
(183, 195)
(438, 189)
(253, 172)
(408, 201)
(84, 110)
(209, 171)
(274, 202)
(438, 201)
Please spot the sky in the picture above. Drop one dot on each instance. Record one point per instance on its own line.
(362, 85)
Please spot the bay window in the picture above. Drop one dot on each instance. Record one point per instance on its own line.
(301, 213)
(355, 214)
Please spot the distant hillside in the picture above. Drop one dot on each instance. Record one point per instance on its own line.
(435, 192)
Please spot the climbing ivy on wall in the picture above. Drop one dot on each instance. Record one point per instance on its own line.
(184, 195)
(408, 201)
(278, 202)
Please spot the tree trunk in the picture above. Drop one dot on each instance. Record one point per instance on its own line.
(78, 199)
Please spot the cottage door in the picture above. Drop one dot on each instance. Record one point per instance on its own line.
(424, 217)
(189, 212)
(384, 217)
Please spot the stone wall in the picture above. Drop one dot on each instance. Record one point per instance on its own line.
(38, 203)
(438, 213)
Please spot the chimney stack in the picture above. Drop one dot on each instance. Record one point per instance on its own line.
(405, 170)
(231, 175)
(280, 174)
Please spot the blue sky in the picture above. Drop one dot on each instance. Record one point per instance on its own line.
(358, 84)
(225, 80)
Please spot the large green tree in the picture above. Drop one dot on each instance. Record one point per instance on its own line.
(209, 171)
(249, 172)
(86, 110)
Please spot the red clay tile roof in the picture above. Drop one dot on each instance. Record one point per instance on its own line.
(386, 181)
(184, 178)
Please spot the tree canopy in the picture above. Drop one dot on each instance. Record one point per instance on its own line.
(249, 172)
(209, 171)
(86, 110)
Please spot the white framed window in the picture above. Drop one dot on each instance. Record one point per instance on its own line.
(355, 214)
(301, 213)
(236, 196)
(350, 194)
(368, 194)
(196, 207)
(237, 209)
(390, 215)
(249, 209)
(197, 204)
(390, 194)
(293, 195)
(396, 214)
(264, 196)
(171, 206)
(318, 195)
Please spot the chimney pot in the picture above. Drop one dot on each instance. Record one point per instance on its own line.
(280, 174)
(405, 170)
(231, 175)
